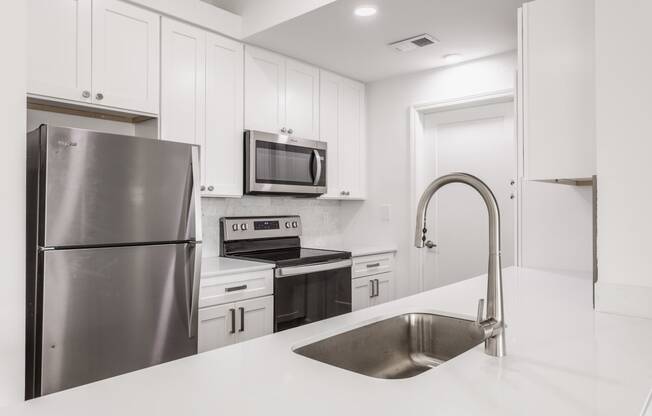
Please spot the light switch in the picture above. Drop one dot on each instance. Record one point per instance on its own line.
(386, 213)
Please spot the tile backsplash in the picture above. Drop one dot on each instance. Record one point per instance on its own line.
(320, 218)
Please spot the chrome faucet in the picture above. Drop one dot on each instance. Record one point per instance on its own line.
(494, 324)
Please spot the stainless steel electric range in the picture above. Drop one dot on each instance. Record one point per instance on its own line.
(309, 285)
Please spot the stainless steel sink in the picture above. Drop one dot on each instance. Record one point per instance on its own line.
(399, 347)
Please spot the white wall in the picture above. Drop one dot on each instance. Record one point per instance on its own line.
(388, 164)
(12, 195)
(624, 151)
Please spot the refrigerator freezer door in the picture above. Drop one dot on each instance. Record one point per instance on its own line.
(103, 189)
(108, 311)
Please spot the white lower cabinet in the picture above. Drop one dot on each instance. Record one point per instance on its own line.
(235, 322)
(373, 280)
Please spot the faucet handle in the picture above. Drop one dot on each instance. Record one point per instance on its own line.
(480, 317)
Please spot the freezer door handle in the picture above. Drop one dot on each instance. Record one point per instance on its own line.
(196, 192)
(195, 276)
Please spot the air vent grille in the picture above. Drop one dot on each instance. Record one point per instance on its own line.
(414, 42)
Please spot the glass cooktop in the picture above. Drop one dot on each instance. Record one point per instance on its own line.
(293, 256)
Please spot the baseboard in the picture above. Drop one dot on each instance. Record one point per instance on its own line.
(623, 299)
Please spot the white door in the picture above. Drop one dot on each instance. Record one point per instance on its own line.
(302, 100)
(479, 141)
(329, 98)
(360, 293)
(264, 90)
(351, 151)
(125, 56)
(183, 58)
(385, 288)
(59, 49)
(222, 148)
(217, 327)
(255, 318)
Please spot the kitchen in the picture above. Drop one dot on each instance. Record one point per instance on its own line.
(270, 102)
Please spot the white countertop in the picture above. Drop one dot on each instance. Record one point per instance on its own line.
(563, 359)
(221, 266)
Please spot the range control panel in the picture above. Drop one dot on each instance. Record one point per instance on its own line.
(249, 228)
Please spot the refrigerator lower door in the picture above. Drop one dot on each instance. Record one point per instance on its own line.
(104, 189)
(109, 311)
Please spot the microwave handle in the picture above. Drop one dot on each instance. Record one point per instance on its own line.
(317, 169)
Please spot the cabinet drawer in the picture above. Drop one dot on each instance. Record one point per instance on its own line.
(370, 265)
(231, 288)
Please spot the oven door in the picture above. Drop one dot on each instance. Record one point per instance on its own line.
(306, 294)
(284, 165)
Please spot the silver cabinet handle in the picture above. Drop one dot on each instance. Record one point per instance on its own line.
(284, 130)
(290, 131)
(99, 96)
(232, 331)
(372, 265)
(86, 94)
(236, 288)
(242, 311)
(317, 169)
(211, 188)
(202, 188)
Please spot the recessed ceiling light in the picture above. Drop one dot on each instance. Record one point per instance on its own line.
(365, 11)
(453, 58)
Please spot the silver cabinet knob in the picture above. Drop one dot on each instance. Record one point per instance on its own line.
(99, 96)
(290, 131)
(86, 94)
(430, 244)
(202, 188)
(284, 130)
(211, 188)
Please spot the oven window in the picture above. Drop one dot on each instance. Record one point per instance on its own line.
(307, 298)
(287, 165)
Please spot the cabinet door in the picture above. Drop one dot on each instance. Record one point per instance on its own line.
(302, 100)
(385, 287)
(222, 147)
(329, 97)
(351, 149)
(125, 56)
(360, 293)
(183, 52)
(264, 90)
(255, 318)
(216, 325)
(59, 49)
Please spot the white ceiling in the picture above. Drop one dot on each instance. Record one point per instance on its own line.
(332, 37)
(233, 6)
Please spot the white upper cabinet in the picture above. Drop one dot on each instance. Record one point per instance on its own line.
(59, 49)
(183, 82)
(557, 90)
(202, 102)
(104, 52)
(342, 126)
(223, 144)
(281, 95)
(302, 100)
(125, 56)
(264, 90)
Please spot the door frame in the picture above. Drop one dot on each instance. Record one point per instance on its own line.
(416, 115)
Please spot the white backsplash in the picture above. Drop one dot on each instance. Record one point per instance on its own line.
(320, 218)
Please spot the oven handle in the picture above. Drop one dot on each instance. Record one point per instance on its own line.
(317, 174)
(312, 268)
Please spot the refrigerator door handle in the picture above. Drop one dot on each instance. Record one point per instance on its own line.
(196, 193)
(194, 289)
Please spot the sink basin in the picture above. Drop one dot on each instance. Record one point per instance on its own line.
(399, 347)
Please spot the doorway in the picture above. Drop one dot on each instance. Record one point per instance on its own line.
(476, 138)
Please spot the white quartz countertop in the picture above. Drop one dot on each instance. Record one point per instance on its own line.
(221, 266)
(563, 359)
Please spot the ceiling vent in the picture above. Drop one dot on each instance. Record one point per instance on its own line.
(413, 43)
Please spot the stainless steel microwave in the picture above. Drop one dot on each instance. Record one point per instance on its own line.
(281, 164)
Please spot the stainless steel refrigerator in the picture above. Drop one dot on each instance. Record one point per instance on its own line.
(113, 255)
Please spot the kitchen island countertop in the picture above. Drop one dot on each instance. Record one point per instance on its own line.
(563, 359)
